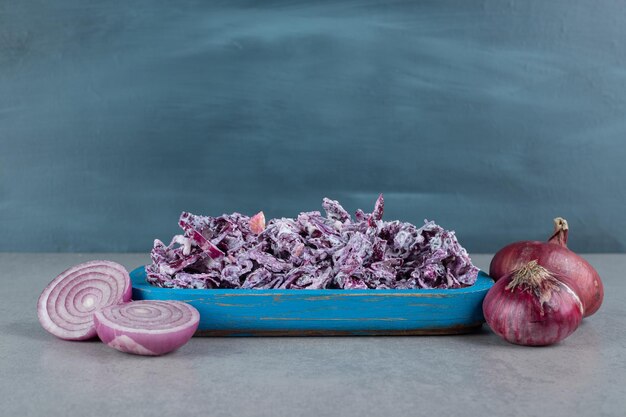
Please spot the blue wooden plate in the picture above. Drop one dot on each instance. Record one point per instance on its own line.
(242, 312)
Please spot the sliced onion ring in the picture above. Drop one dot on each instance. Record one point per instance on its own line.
(67, 305)
(147, 327)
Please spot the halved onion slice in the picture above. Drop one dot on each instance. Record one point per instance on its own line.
(67, 305)
(147, 327)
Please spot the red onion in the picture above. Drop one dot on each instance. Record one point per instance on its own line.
(530, 306)
(556, 258)
(147, 327)
(67, 305)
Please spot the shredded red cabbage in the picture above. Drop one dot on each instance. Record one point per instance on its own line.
(310, 252)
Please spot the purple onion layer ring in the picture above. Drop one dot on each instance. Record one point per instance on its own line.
(66, 306)
(147, 327)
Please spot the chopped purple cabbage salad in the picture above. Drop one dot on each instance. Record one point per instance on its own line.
(310, 252)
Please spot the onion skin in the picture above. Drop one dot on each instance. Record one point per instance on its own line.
(532, 316)
(66, 306)
(558, 259)
(167, 326)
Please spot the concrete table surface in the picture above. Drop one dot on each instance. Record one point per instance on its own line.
(465, 375)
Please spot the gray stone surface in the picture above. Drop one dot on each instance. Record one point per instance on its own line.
(470, 375)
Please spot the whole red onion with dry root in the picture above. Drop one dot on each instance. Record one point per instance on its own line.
(556, 258)
(531, 306)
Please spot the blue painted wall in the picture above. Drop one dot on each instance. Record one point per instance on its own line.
(490, 117)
